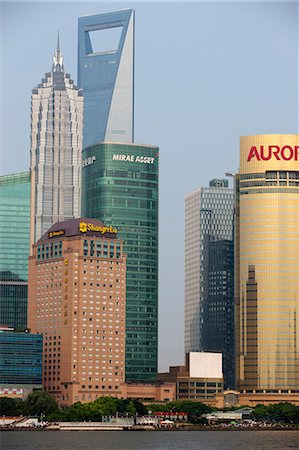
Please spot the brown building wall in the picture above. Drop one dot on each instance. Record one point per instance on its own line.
(150, 392)
(235, 398)
(78, 302)
(267, 399)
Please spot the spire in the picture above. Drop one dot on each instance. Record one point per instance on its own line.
(57, 58)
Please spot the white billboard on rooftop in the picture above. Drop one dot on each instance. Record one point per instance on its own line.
(205, 365)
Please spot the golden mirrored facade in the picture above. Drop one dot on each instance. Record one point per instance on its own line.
(267, 257)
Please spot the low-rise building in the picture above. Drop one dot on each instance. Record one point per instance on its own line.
(235, 398)
(238, 414)
(20, 363)
(200, 379)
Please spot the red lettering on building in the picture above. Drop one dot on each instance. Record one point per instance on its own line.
(275, 152)
(253, 154)
(285, 153)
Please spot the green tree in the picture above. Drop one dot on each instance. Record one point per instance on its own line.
(103, 406)
(40, 402)
(57, 416)
(286, 412)
(107, 406)
(10, 406)
(195, 410)
(139, 407)
(95, 411)
(159, 408)
(260, 412)
(77, 412)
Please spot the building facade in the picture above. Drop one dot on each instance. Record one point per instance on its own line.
(267, 255)
(156, 391)
(56, 145)
(209, 215)
(218, 307)
(14, 248)
(77, 288)
(106, 75)
(199, 380)
(20, 360)
(120, 185)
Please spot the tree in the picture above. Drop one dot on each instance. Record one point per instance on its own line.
(40, 402)
(195, 410)
(260, 411)
(158, 408)
(139, 407)
(103, 406)
(9, 406)
(107, 406)
(286, 412)
(75, 412)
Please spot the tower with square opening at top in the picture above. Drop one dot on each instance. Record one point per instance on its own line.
(106, 75)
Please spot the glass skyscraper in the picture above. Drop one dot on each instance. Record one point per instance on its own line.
(56, 145)
(218, 305)
(120, 187)
(209, 213)
(106, 75)
(14, 248)
(267, 256)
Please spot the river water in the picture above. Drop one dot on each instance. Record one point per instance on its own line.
(153, 440)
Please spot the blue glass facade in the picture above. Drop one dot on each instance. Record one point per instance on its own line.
(218, 304)
(107, 77)
(14, 248)
(20, 358)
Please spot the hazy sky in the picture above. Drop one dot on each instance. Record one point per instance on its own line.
(205, 74)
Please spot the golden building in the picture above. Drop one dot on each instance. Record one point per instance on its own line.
(77, 286)
(267, 257)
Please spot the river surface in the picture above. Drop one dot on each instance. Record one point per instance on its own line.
(153, 440)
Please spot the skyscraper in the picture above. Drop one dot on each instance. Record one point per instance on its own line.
(106, 75)
(56, 145)
(218, 305)
(77, 295)
(267, 256)
(208, 237)
(120, 186)
(14, 248)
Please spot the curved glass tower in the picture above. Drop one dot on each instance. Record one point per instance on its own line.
(120, 186)
(267, 256)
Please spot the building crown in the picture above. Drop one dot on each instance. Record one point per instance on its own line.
(57, 58)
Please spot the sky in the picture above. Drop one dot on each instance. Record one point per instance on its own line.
(206, 73)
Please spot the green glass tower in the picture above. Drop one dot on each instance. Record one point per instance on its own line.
(120, 187)
(14, 248)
